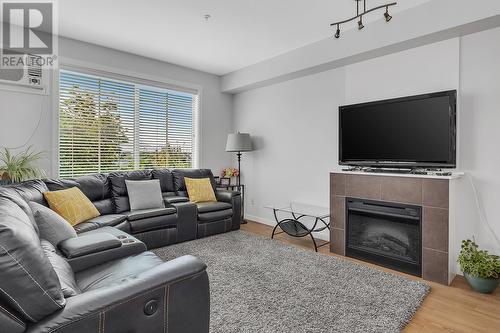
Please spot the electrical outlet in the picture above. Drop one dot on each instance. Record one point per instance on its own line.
(252, 202)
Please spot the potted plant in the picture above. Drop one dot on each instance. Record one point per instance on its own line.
(481, 269)
(18, 167)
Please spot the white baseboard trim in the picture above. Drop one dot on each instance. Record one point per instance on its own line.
(324, 235)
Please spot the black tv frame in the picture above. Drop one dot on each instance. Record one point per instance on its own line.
(451, 164)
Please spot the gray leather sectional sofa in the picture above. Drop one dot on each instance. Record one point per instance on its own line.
(105, 280)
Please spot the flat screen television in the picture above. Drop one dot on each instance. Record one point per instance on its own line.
(410, 132)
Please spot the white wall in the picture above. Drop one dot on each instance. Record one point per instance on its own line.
(295, 124)
(480, 127)
(20, 112)
(26, 120)
(424, 69)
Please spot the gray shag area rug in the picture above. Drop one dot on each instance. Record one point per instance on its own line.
(262, 285)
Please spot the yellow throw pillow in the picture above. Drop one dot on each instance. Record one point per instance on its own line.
(200, 190)
(72, 205)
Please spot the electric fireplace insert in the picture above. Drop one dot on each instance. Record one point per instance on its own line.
(387, 234)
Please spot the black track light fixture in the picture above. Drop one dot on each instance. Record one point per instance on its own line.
(386, 14)
(360, 12)
(360, 23)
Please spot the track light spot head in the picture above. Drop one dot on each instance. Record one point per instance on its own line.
(386, 15)
(360, 12)
(360, 23)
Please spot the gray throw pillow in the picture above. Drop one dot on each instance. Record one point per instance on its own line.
(53, 227)
(62, 268)
(144, 194)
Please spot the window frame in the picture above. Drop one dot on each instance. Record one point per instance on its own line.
(137, 79)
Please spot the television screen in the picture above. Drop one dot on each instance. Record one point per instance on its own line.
(417, 131)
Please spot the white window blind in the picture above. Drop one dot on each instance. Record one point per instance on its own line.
(109, 125)
(165, 128)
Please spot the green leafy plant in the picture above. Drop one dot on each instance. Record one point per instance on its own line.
(21, 166)
(478, 263)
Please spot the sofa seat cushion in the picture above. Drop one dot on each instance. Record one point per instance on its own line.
(147, 213)
(206, 207)
(153, 223)
(120, 234)
(116, 272)
(215, 216)
(100, 222)
(108, 220)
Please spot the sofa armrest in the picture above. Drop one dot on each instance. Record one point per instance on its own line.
(129, 245)
(186, 221)
(226, 195)
(172, 297)
(175, 199)
(88, 244)
(234, 198)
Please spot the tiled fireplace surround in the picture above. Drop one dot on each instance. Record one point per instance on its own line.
(431, 194)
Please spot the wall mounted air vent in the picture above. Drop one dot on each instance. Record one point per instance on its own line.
(27, 78)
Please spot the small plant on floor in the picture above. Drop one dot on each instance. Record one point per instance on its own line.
(481, 269)
(18, 167)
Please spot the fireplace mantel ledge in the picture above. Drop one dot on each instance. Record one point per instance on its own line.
(454, 175)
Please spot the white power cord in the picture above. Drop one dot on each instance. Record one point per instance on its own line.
(480, 208)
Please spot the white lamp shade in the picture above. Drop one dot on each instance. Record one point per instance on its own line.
(239, 142)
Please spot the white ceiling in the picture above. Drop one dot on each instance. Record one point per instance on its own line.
(240, 33)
